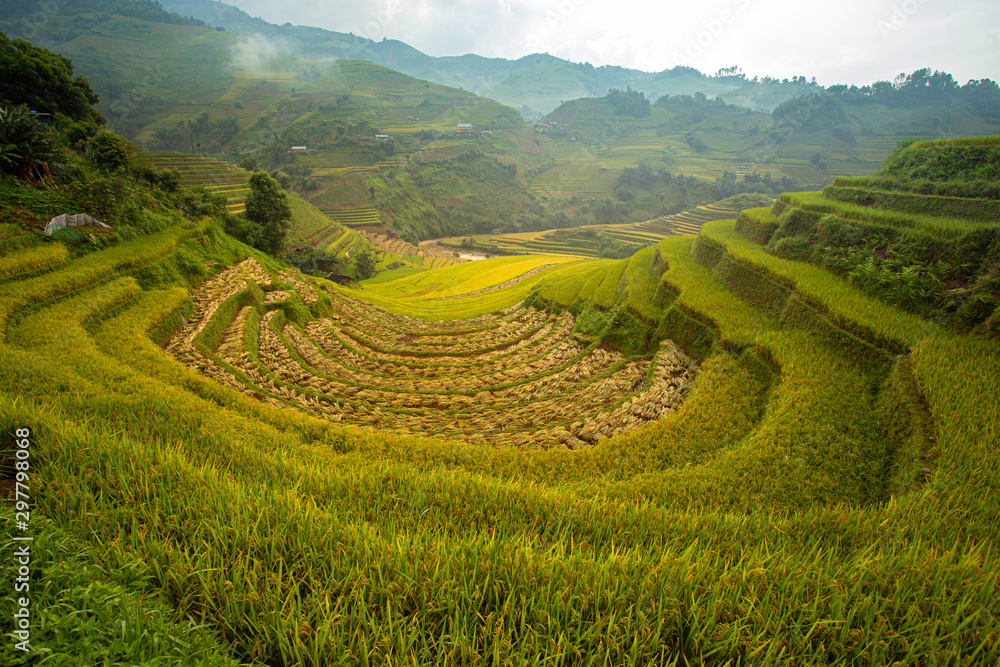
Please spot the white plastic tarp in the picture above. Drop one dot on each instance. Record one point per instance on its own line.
(74, 220)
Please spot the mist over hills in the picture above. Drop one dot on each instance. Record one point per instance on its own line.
(535, 84)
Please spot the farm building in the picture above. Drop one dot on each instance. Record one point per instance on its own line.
(383, 137)
(339, 278)
(41, 117)
(299, 149)
(464, 128)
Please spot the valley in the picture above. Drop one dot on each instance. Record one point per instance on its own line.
(722, 389)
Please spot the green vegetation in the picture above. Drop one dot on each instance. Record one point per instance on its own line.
(268, 210)
(535, 84)
(629, 103)
(94, 620)
(959, 167)
(44, 81)
(373, 138)
(806, 140)
(942, 268)
(609, 240)
(25, 146)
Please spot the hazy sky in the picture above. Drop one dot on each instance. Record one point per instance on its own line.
(849, 41)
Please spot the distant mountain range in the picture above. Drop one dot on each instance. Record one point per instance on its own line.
(386, 125)
(535, 84)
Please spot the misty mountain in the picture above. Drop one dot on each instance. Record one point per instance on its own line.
(535, 84)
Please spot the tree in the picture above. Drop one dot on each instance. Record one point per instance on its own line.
(365, 263)
(267, 207)
(44, 81)
(111, 152)
(629, 103)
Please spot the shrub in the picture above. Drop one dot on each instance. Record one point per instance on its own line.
(792, 247)
(168, 179)
(111, 152)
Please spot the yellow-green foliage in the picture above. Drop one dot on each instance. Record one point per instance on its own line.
(307, 220)
(957, 141)
(643, 276)
(845, 304)
(573, 282)
(607, 293)
(32, 259)
(815, 201)
(757, 224)
(91, 268)
(438, 295)
(752, 525)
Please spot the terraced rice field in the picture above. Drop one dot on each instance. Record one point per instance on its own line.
(678, 224)
(422, 256)
(331, 163)
(444, 149)
(212, 174)
(564, 242)
(322, 476)
(514, 377)
(357, 217)
(592, 169)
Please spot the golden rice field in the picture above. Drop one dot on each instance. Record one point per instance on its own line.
(700, 455)
(510, 378)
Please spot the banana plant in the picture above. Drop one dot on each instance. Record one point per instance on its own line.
(25, 147)
(9, 154)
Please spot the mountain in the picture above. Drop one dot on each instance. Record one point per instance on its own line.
(812, 139)
(184, 84)
(176, 84)
(535, 84)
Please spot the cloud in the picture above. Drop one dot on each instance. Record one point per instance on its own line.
(835, 42)
(257, 53)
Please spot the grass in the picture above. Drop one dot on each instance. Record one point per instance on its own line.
(33, 259)
(88, 617)
(944, 227)
(212, 174)
(422, 291)
(580, 241)
(882, 324)
(981, 210)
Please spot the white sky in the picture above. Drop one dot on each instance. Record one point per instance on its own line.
(848, 41)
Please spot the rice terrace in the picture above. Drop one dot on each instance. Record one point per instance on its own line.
(252, 422)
